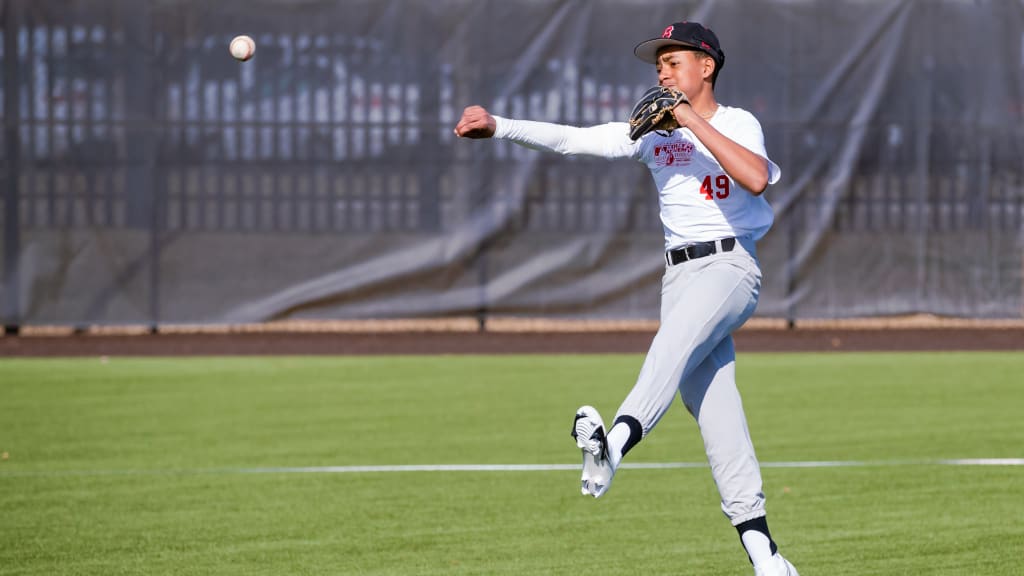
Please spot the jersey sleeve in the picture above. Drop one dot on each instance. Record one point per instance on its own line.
(747, 133)
(609, 140)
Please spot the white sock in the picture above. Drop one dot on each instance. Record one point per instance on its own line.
(758, 546)
(617, 438)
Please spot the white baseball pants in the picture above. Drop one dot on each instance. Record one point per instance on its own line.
(702, 302)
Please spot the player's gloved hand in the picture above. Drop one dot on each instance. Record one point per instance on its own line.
(476, 122)
(653, 111)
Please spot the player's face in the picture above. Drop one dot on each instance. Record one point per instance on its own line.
(681, 69)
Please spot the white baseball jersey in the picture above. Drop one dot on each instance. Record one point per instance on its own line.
(698, 200)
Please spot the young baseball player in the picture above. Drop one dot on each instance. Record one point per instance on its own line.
(710, 172)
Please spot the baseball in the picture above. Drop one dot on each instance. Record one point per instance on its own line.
(242, 48)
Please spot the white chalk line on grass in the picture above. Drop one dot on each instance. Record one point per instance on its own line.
(502, 467)
(628, 465)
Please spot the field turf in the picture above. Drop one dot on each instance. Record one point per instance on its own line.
(246, 466)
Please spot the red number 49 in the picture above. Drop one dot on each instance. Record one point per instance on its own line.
(720, 189)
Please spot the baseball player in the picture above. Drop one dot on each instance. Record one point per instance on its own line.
(711, 169)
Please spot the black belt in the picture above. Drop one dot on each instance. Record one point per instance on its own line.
(699, 250)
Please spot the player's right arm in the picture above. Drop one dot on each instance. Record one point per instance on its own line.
(605, 140)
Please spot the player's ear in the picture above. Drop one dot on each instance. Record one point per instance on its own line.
(709, 67)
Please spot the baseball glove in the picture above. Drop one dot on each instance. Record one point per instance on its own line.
(653, 111)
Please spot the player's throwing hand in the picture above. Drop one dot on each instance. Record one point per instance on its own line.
(476, 122)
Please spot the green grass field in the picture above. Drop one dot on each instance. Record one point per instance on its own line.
(188, 466)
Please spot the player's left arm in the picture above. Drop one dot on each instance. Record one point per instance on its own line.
(747, 168)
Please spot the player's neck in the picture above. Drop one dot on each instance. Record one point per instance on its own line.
(706, 106)
(703, 100)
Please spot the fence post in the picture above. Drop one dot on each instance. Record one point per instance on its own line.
(142, 190)
(12, 230)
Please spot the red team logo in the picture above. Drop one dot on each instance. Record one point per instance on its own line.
(668, 32)
(673, 153)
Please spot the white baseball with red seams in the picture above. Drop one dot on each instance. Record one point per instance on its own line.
(242, 47)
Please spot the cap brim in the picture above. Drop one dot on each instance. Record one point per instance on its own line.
(648, 51)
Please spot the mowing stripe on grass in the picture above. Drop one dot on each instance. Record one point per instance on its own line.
(502, 467)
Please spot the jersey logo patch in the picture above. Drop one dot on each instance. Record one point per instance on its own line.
(674, 153)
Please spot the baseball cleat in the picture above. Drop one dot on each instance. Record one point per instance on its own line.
(588, 430)
(779, 566)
